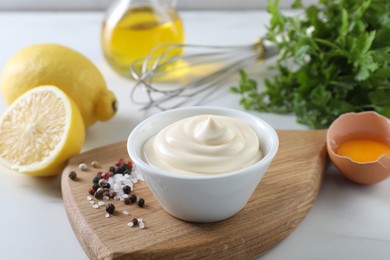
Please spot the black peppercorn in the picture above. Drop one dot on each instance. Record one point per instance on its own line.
(110, 208)
(122, 168)
(106, 185)
(73, 175)
(135, 221)
(95, 187)
(127, 201)
(141, 202)
(96, 179)
(117, 170)
(112, 194)
(133, 198)
(111, 169)
(126, 189)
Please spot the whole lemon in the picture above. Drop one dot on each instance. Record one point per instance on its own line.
(67, 69)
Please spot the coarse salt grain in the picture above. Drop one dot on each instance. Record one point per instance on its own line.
(137, 174)
(125, 212)
(95, 206)
(89, 198)
(92, 202)
(117, 187)
(101, 203)
(141, 225)
(106, 198)
(130, 224)
(107, 215)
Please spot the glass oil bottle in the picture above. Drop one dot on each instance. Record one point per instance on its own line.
(132, 28)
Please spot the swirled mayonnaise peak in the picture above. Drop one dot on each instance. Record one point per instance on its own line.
(204, 144)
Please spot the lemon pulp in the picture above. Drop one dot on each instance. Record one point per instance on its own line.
(40, 131)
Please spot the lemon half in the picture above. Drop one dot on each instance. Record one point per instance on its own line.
(40, 131)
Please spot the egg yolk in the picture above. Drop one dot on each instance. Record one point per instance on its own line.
(363, 149)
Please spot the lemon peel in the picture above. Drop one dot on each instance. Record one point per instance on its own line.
(65, 68)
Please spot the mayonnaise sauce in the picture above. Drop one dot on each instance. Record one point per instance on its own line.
(204, 144)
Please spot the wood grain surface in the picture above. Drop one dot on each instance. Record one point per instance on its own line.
(278, 205)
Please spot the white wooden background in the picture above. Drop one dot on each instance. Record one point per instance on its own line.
(96, 5)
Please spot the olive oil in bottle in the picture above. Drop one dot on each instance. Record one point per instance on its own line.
(131, 31)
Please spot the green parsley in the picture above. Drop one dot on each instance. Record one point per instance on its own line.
(333, 59)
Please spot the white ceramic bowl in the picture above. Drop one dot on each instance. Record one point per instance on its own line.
(205, 198)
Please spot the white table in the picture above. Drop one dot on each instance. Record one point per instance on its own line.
(348, 221)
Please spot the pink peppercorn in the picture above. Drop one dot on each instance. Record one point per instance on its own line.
(106, 175)
(119, 162)
(91, 191)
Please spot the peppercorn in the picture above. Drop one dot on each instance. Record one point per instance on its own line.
(126, 189)
(96, 179)
(83, 167)
(135, 221)
(102, 181)
(110, 208)
(91, 191)
(95, 186)
(128, 171)
(106, 185)
(99, 193)
(122, 168)
(133, 198)
(95, 164)
(106, 175)
(120, 161)
(106, 193)
(130, 164)
(126, 201)
(141, 202)
(111, 169)
(73, 175)
(112, 194)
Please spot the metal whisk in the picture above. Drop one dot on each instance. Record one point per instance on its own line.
(198, 73)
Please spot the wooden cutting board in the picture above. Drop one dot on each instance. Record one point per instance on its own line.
(280, 202)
